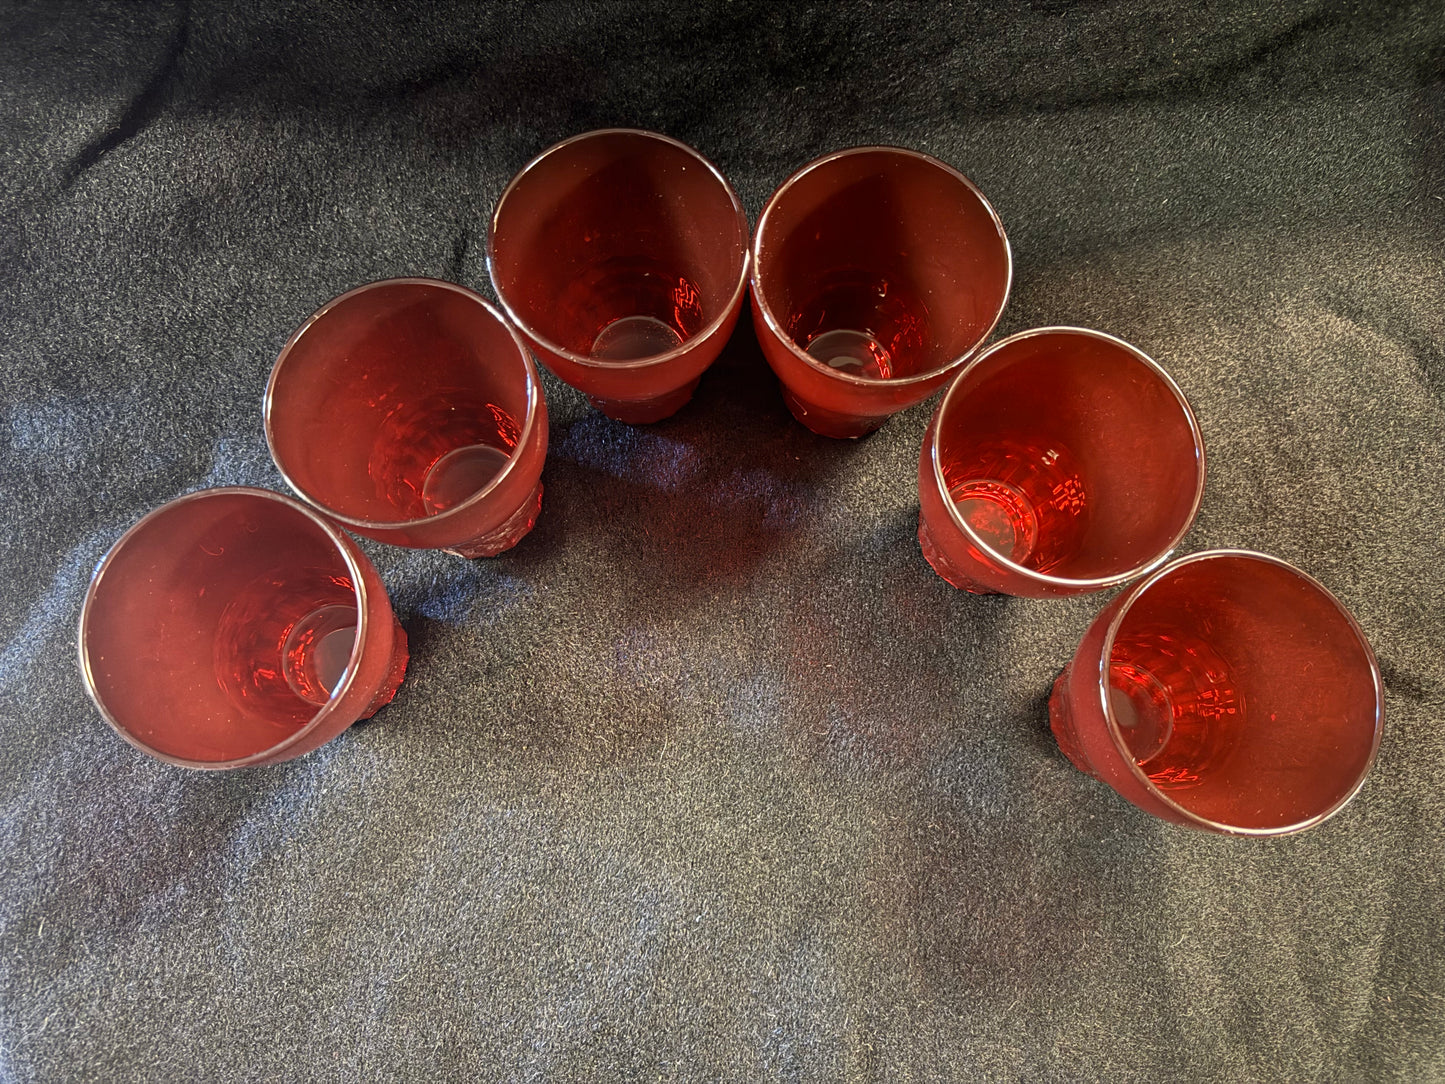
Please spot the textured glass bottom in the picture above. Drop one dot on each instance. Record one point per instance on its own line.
(1001, 516)
(627, 309)
(461, 473)
(280, 639)
(634, 337)
(853, 352)
(1027, 504)
(1177, 707)
(431, 454)
(317, 650)
(864, 324)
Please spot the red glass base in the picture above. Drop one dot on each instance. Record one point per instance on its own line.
(512, 531)
(647, 410)
(940, 564)
(400, 655)
(830, 423)
(1061, 722)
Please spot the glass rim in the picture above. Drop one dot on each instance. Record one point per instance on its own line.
(1137, 591)
(535, 403)
(1094, 583)
(766, 311)
(587, 360)
(322, 712)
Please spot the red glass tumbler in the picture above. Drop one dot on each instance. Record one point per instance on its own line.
(622, 256)
(409, 411)
(1060, 461)
(877, 272)
(1228, 691)
(234, 627)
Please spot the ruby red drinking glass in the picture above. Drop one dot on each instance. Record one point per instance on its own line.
(410, 411)
(1228, 691)
(1059, 461)
(877, 272)
(234, 627)
(622, 256)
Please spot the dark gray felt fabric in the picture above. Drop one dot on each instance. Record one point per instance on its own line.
(712, 778)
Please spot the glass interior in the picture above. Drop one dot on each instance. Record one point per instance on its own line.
(618, 246)
(398, 402)
(1069, 455)
(1244, 693)
(219, 626)
(882, 264)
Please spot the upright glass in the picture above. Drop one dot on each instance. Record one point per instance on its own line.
(409, 410)
(877, 272)
(1060, 461)
(1229, 692)
(234, 627)
(622, 256)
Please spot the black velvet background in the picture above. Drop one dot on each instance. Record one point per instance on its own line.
(711, 778)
